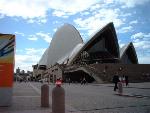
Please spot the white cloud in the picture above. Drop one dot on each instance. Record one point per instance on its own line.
(56, 22)
(132, 3)
(19, 33)
(94, 7)
(67, 7)
(133, 22)
(121, 44)
(140, 35)
(84, 37)
(55, 29)
(85, 13)
(144, 59)
(27, 58)
(141, 40)
(30, 51)
(1, 16)
(30, 57)
(45, 36)
(24, 8)
(137, 35)
(108, 1)
(40, 35)
(43, 20)
(125, 29)
(126, 15)
(39, 20)
(60, 14)
(25, 62)
(142, 44)
(36, 10)
(98, 19)
(19, 50)
(33, 38)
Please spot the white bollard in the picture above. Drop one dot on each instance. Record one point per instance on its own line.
(120, 88)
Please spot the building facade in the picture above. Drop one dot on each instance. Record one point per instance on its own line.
(96, 60)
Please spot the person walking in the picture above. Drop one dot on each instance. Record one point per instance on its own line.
(126, 80)
(84, 81)
(116, 80)
(123, 80)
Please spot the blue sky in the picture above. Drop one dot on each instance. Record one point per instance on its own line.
(34, 23)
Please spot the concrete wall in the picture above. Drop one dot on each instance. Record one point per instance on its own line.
(135, 72)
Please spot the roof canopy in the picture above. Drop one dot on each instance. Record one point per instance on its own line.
(63, 42)
(108, 34)
(67, 45)
(128, 54)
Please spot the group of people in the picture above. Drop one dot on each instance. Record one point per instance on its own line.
(82, 81)
(123, 79)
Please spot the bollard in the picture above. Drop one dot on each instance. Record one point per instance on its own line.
(45, 95)
(58, 99)
(120, 88)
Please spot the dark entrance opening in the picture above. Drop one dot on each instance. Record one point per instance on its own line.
(77, 76)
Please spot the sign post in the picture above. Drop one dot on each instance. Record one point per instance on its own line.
(7, 47)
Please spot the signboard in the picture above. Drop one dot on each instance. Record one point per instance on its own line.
(7, 47)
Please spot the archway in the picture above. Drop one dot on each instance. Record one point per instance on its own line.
(77, 76)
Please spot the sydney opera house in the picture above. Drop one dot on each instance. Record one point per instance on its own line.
(97, 60)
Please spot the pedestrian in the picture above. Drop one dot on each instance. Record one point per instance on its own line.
(84, 81)
(123, 80)
(126, 80)
(116, 80)
(120, 78)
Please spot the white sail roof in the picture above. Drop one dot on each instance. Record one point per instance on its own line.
(69, 57)
(63, 43)
(44, 58)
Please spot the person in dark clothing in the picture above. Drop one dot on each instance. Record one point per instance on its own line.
(84, 81)
(126, 80)
(115, 80)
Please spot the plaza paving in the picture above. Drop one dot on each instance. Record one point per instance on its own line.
(91, 98)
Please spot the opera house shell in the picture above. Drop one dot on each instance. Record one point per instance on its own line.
(128, 54)
(65, 44)
(67, 48)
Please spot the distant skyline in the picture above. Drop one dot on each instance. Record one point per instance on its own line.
(34, 23)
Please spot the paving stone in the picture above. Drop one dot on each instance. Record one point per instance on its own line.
(91, 98)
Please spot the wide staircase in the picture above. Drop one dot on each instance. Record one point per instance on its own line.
(98, 75)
